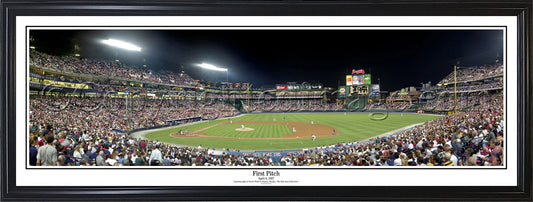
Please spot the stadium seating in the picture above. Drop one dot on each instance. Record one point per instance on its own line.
(85, 126)
(465, 74)
(102, 68)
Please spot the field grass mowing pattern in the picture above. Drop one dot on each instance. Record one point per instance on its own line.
(350, 127)
(260, 131)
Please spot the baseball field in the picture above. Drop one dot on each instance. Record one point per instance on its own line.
(277, 131)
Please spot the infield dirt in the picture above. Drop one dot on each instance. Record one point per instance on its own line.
(303, 130)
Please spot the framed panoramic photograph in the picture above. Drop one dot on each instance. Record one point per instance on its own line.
(266, 101)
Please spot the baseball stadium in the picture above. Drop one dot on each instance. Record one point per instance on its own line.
(107, 98)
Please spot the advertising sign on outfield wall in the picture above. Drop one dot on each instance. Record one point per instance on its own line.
(375, 90)
(342, 91)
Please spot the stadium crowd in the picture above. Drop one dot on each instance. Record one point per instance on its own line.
(108, 69)
(474, 88)
(444, 102)
(474, 73)
(73, 113)
(470, 138)
(293, 105)
(223, 95)
(73, 131)
(400, 97)
(397, 106)
(447, 103)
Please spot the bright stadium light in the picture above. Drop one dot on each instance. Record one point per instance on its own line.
(212, 67)
(122, 44)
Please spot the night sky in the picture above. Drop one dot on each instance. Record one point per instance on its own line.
(399, 58)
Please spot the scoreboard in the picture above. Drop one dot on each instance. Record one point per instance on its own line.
(361, 79)
(358, 84)
(359, 90)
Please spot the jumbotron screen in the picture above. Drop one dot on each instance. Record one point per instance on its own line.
(361, 79)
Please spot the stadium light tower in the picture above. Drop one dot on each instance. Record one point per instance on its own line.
(126, 46)
(215, 68)
(122, 44)
(212, 67)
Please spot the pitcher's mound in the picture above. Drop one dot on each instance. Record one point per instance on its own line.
(244, 129)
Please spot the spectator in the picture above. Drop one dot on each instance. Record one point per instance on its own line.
(84, 162)
(61, 160)
(33, 151)
(471, 160)
(100, 159)
(126, 162)
(139, 161)
(155, 156)
(47, 154)
(447, 160)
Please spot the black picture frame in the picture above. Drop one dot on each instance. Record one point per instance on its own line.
(519, 8)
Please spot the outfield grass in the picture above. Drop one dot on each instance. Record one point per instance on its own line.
(351, 127)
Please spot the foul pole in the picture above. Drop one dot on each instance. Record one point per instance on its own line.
(455, 86)
(248, 97)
